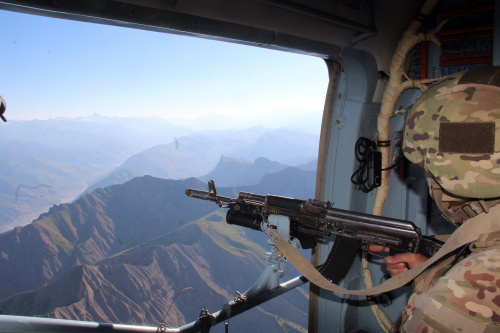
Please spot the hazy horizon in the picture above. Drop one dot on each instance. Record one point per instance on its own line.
(302, 121)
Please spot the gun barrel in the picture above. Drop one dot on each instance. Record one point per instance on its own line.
(199, 194)
(204, 195)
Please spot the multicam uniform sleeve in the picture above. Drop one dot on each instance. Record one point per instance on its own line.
(465, 299)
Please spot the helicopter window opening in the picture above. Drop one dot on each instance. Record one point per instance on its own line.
(83, 68)
(87, 101)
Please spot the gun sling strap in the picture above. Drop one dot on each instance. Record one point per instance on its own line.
(468, 232)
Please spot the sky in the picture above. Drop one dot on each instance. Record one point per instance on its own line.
(60, 68)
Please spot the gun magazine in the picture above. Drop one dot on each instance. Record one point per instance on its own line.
(340, 258)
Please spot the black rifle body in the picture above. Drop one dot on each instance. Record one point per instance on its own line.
(310, 219)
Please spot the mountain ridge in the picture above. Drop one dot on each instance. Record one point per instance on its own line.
(126, 250)
(89, 229)
(148, 287)
(46, 162)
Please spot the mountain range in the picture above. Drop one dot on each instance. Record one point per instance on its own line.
(202, 157)
(122, 253)
(47, 162)
(197, 155)
(122, 136)
(236, 171)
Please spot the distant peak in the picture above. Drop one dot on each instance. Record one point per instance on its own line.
(225, 159)
(262, 160)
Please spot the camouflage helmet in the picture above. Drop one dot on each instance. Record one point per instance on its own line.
(453, 133)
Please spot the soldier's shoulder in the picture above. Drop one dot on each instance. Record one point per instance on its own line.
(465, 299)
(472, 287)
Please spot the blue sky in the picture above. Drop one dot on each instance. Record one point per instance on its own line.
(54, 67)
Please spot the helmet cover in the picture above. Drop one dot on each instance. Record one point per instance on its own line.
(453, 133)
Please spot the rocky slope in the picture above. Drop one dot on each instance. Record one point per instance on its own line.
(92, 228)
(122, 253)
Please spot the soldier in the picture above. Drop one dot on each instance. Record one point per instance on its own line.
(453, 133)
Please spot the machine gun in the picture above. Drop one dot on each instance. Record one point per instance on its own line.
(311, 219)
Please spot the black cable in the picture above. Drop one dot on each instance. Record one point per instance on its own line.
(365, 154)
(360, 177)
(396, 163)
(397, 153)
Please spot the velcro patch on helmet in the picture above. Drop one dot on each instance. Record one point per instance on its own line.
(482, 75)
(467, 138)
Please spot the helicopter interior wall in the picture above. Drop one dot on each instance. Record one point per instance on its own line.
(349, 115)
(354, 115)
(348, 110)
